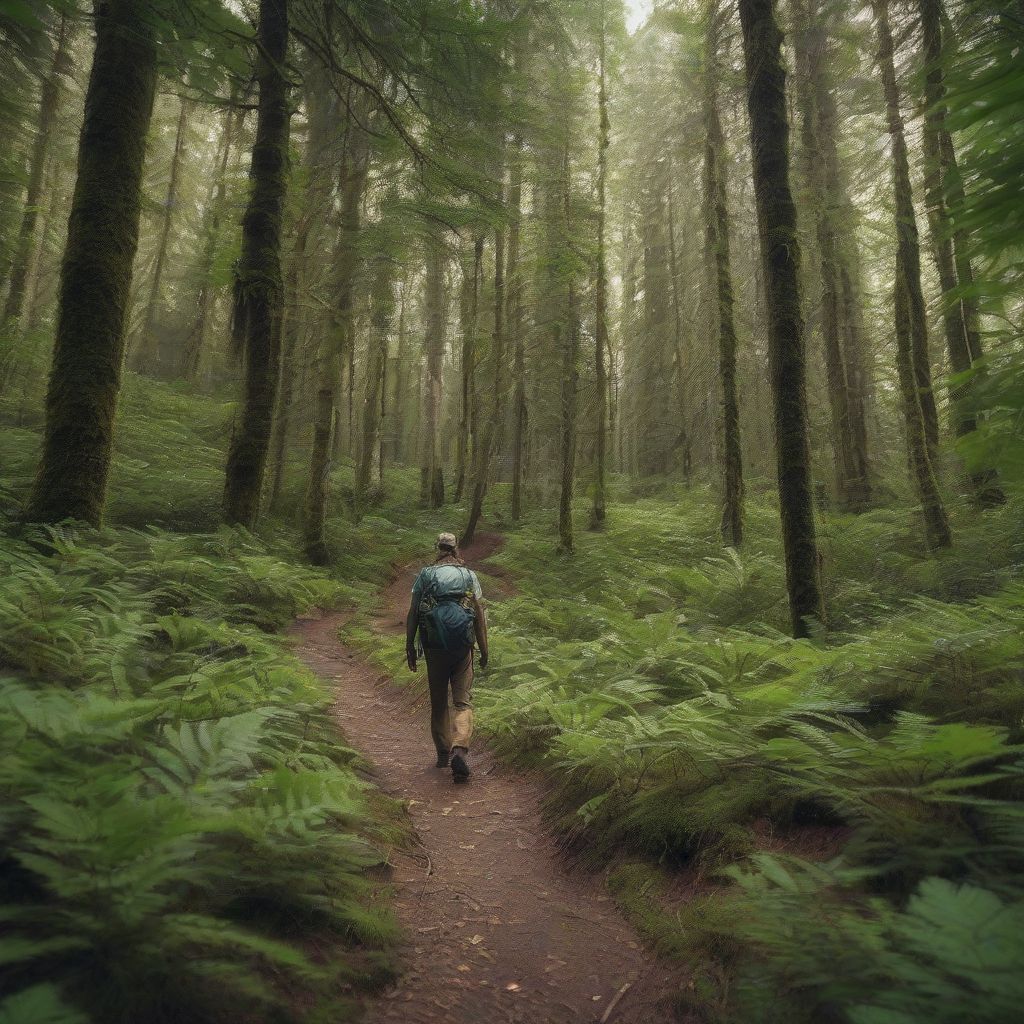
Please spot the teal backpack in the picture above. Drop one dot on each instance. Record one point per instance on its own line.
(446, 616)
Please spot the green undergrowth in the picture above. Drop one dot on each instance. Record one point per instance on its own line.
(185, 838)
(830, 796)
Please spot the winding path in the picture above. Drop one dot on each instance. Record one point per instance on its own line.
(498, 929)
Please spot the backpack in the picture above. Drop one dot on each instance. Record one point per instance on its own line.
(446, 615)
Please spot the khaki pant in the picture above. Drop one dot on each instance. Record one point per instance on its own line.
(450, 669)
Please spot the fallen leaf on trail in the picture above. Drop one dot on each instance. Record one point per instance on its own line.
(512, 987)
(476, 940)
(467, 846)
(596, 999)
(465, 967)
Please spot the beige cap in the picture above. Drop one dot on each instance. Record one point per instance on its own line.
(447, 540)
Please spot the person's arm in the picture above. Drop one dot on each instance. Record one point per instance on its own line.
(480, 628)
(412, 621)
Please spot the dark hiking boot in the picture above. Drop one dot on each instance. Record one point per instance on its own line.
(442, 759)
(460, 766)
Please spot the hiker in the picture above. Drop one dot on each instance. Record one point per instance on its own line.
(445, 611)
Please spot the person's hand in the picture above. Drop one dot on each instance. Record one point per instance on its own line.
(483, 659)
(410, 658)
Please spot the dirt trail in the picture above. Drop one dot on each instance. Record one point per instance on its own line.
(498, 928)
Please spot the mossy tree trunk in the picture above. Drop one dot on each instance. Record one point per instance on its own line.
(49, 104)
(908, 248)
(780, 251)
(291, 332)
(256, 315)
(312, 213)
(488, 441)
(600, 512)
(716, 215)
(96, 273)
(336, 346)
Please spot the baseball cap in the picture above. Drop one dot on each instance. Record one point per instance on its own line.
(447, 540)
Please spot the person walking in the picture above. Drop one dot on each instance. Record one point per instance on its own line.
(446, 616)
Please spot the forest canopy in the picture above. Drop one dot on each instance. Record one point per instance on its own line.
(713, 310)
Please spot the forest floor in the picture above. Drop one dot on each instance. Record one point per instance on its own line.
(499, 927)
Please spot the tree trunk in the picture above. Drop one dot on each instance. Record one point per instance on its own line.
(193, 350)
(96, 275)
(717, 227)
(599, 513)
(515, 328)
(291, 331)
(434, 345)
(336, 348)
(377, 354)
(821, 173)
(683, 440)
(148, 350)
(482, 466)
(49, 104)
(960, 314)
(399, 396)
(469, 310)
(256, 316)
(908, 251)
(780, 251)
(569, 390)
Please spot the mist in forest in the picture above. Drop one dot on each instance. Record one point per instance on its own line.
(699, 323)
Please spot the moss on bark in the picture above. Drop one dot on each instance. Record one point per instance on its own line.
(96, 273)
(780, 251)
(716, 225)
(258, 284)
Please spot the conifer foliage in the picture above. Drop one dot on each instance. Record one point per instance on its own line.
(738, 285)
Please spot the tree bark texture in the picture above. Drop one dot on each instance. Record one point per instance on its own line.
(776, 216)
(336, 347)
(96, 273)
(717, 229)
(486, 448)
(256, 315)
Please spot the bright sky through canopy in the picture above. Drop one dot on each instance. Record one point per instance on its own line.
(636, 13)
